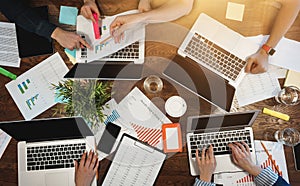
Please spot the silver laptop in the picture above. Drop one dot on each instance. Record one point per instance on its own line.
(47, 149)
(219, 130)
(218, 48)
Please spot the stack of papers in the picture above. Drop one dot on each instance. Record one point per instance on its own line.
(137, 116)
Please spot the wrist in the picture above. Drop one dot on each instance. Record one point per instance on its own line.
(254, 170)
(55, 33)
(268, 49)
(205, 178)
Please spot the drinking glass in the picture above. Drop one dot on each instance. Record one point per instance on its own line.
(289, 95)
(153, 84)
(288, 136)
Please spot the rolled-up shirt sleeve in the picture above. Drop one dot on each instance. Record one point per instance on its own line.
(203, 183)
(266, 177)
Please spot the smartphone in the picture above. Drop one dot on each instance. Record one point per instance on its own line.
(296, 152)
(109, 137)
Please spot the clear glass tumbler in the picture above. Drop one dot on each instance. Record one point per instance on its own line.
(288, 136)
(153, 84)
(289, 95)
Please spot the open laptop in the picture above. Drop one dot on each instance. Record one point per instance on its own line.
(218, 48)
(47, 149)
(213, 57)
(219, 130)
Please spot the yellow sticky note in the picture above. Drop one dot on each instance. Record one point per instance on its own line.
(235, 11)
(276, 114)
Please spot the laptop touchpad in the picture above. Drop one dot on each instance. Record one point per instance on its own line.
(57, 179)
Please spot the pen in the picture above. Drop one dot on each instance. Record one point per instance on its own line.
(7, 73)
(270, 157)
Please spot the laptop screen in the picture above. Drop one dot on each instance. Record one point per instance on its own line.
(106, 71)
(221, 121)
(47, 129)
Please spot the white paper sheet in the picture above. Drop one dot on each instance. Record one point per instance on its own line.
(134, 164)
(32, 91)
(9, 54)
(243, 178)
(140, 118)
(287, 53)
(106, 45)
(257, 87)
(4, 141)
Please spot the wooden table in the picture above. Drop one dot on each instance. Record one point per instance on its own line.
(162, 43)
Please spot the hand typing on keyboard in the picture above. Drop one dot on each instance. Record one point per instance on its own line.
(86, 170)
(207, 163)
(240, 154)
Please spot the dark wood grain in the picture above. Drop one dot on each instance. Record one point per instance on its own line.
(162, 43)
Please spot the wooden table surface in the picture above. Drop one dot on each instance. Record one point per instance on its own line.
(162, 43)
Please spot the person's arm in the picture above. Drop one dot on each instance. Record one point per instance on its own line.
(86, 170)
(24, 16)
(242, 158)
(169, 11)
(207, 165)
(258, 62)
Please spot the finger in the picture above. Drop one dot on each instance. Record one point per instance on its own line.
(246, 145)
(234, 158)
(234, 150)
(82, 161)
(197, 157)
(249, 64)
(211, 152)
(94, 160)
(76, 166)
(95, 10)
(82, 41)
(89, 159)
(257, 69)
(240, 146)
(89, 14)
(96, 166)
(203, 154)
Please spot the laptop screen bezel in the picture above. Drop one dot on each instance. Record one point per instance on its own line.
(242, 125)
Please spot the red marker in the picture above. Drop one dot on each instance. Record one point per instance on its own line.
(96, 26)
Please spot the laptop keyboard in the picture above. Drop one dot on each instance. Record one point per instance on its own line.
(219, 141)
(54, 156)
(215, 57)
(129, 52)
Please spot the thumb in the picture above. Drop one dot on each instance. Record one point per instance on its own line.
(76, 166)
(250, 63)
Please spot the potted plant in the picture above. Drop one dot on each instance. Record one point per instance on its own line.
(85, 98)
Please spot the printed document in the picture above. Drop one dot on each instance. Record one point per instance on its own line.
(4, 141)
(134, 164)
(140, 118)
(106, 44)
(32, 91)
(9, 54)
(243, 178)
(257, 87)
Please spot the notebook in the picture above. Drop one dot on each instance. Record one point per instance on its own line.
(48, 147)
(31, 44)
(219, 130)
(134, 163)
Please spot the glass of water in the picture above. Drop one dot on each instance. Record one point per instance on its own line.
(288, 136)
(153, 84)
(289, 95)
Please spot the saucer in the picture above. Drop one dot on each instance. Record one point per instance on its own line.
(175, 106)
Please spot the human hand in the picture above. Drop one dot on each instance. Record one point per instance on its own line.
(87, 169)
(257, 63)
(68, 39)
(89, 7)
(144, 6)
(207, 164)
(122, 23)
(241, 157)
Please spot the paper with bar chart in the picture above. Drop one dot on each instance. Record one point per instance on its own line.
(32, 91)
(140, 118)
(244, 179)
